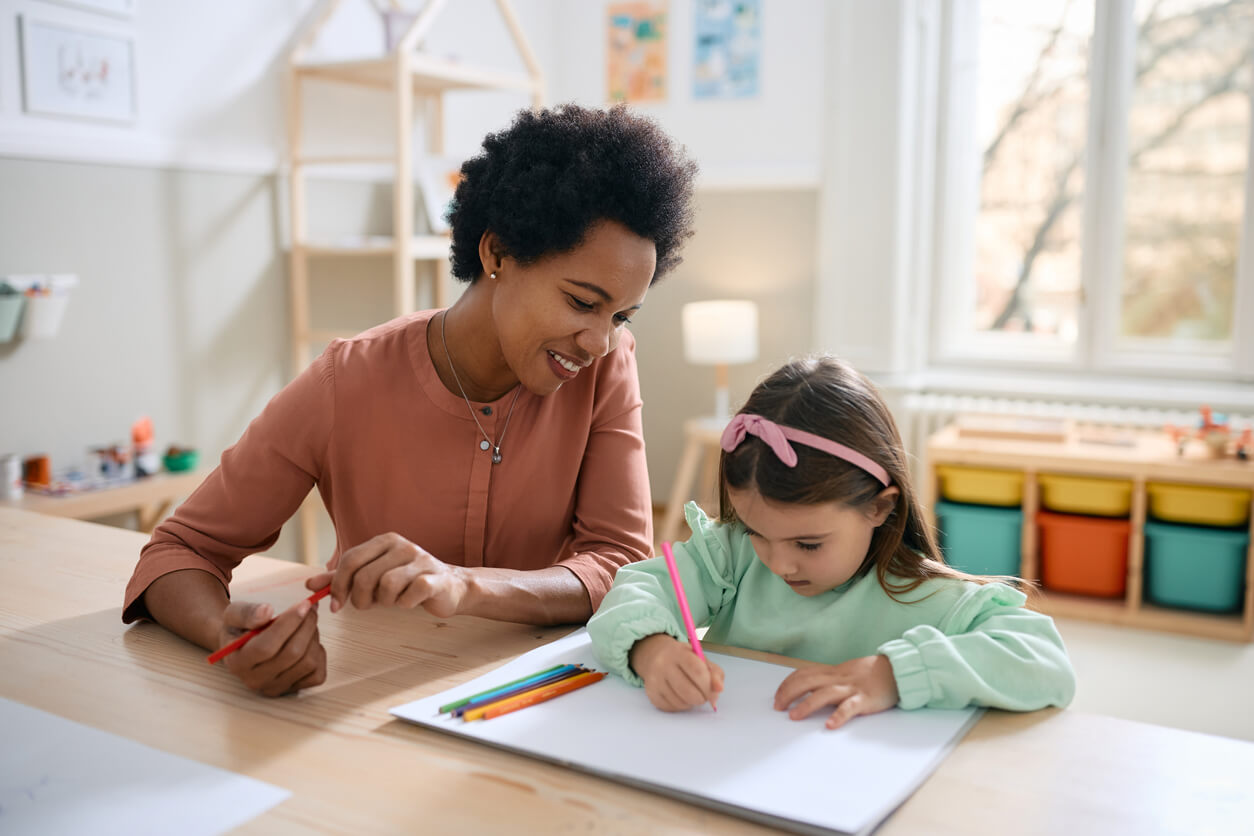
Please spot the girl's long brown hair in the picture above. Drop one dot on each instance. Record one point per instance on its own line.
(825, 396)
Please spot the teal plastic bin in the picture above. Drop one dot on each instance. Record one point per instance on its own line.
(1195, 568)
(980, 539)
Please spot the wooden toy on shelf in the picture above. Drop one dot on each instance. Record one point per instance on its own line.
(1217, 432)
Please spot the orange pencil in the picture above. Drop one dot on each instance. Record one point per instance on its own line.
(222, 652)
(531, 698)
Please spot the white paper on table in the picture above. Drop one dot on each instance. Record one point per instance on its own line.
(747, 759)
(58, 776)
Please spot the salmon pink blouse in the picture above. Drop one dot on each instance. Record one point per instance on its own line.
(370, 425)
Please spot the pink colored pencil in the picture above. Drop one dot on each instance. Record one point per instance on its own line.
(683, 605)
(221, 653)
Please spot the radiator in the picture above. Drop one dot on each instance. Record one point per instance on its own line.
(926, 412)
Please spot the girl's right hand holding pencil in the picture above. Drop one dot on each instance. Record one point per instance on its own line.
(284, 657)
(675, 678)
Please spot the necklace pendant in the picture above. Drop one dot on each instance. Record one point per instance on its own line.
(496, 456)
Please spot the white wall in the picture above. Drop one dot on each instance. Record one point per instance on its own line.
(209, 84)
(874, 209)
(772, 140)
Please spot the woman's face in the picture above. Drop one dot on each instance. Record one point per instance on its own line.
(556, 316)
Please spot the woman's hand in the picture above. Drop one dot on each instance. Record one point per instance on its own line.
(285, 657)
(675, 678)
(387, 571)
(859, 686)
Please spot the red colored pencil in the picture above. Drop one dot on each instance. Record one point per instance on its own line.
(221, 653)
(531, 698)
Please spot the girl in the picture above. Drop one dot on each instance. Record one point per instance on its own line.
(821, 552)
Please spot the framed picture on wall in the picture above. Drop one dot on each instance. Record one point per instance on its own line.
(117, 8)
(77, 73)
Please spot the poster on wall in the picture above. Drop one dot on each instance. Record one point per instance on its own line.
(727, 49)
(636, 54)
(77, 73)
(118, 8)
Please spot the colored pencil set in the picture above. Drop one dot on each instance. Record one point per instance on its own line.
(523, 693)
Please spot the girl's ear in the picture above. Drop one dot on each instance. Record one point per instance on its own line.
(879, 508)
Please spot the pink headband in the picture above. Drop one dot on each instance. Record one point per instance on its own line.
(777, 437)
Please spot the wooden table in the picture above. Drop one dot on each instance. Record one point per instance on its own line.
(353, 768)
(150, 498)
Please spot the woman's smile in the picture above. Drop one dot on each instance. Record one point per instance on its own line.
(564, 367)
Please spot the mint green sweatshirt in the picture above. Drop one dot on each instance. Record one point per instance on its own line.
(951, 644)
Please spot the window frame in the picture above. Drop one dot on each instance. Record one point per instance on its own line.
(1098, 348)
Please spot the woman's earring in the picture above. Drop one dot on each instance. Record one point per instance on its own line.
(492, 275)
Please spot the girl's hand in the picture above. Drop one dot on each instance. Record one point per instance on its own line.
(387, 571)
(859, 686)
(285, 657)
(675, 678)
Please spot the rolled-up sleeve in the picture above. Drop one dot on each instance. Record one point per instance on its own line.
(241, 506)
(613, 523)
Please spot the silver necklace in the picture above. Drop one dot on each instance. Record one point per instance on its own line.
(486, 444)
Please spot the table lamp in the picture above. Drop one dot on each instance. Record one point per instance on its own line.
(717, 333)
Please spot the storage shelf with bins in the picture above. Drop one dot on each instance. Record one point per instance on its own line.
(1188, 523)
(416, 83)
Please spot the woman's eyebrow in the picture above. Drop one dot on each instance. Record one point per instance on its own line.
(599, 291)
(592, 288)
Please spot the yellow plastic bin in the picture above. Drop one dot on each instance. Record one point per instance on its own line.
(1198, 504)
(980, 486)
(1086, 495)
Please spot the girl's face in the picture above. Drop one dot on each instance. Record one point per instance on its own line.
(556, 316)
(813, 548)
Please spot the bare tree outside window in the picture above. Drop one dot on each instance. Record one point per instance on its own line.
(1033, 111)
(1189, 134)
(1188, 141)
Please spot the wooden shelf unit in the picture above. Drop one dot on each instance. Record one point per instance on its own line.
(150, 497)
(1152, 458)
(417, 83)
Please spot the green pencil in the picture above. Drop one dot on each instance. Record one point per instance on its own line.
(464, 700)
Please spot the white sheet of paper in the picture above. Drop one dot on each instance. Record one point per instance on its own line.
(747, 759)
(58, 776)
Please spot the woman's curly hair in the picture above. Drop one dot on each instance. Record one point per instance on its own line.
(540, 184)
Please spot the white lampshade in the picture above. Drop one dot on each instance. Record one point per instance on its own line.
(720, 332)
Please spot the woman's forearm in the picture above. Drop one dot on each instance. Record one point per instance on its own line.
(540, 596)
(188, 603)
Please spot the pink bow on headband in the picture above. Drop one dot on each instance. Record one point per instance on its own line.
(777, 436)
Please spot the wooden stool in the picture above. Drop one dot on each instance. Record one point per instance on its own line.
(701, 449)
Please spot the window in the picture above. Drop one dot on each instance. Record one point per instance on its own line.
(1093, 180)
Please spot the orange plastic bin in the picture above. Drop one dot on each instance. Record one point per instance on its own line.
(1083, 555)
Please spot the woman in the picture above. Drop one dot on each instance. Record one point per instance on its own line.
(487, 459)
